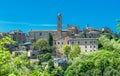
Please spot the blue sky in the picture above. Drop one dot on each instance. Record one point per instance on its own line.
(42, 14)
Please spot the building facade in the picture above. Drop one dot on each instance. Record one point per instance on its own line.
(18, 36)
(86, 38)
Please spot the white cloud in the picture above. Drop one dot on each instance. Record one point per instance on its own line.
(27, 24)
(10, 22)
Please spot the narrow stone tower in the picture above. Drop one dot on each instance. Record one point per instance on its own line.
(59, 23)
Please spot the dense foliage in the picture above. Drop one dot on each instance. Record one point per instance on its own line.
(41, 44)
(75, 51)
(118, 24)
(104, 62)
(21, 65)
(66, 49)
(13, 66)
(50, 40)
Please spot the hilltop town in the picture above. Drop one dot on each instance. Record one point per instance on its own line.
(87, 38)
(59, 38)
(56, 50)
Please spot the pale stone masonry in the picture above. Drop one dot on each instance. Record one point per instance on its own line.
(18, 36)
(87, 45)
(86, 38)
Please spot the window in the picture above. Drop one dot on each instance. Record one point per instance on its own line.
(55, 43)
(85, 42)
(68, 42)
(72, 42)
(90, 42)
(17, 54)
(85, 46)
(95, 35)
(94, 46)
(94, 41)
(33, 54)
(90, 46)
(40, 34)
(72, 34)
(15, 33)
(58, 42)
(78, 42)
(19, 33)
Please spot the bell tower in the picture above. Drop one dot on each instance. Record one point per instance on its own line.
(59, 23)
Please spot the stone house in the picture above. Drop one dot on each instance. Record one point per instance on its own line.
(86, 38)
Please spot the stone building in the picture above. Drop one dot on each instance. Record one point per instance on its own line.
(18, 36)
(86, 38)
(36, 34)
(2, 34)
(71, 31)
(87, 45)
(107, 30)
(60, 62)
(90, 32)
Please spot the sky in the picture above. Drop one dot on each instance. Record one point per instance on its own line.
(42, 14)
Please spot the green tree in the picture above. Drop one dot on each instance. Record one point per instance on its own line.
(19, 65)
(46, 50)
(50, 66)
(66, 49)
(101, 63)
(47, 56)
(50, 49)
(50, 39)
(108, 44)
(58, 72)
(118, 25)
(5, 56)
(75, 51)
(44, 57)
(41, 44)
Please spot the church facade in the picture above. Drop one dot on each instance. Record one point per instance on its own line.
(87, 39)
